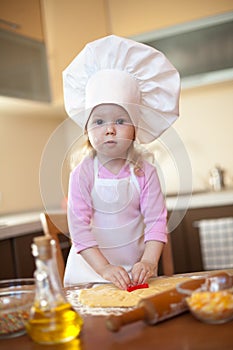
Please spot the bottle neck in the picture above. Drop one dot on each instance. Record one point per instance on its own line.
(49, 292)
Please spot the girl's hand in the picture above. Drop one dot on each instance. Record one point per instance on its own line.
(142, 271)
(117, 275)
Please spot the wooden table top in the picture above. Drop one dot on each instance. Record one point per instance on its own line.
(182, 332)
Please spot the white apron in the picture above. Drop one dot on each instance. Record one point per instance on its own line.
(119, 237)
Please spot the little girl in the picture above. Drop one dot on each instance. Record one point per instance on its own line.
(121, 93)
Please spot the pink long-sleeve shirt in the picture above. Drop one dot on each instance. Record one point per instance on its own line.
(80, 209)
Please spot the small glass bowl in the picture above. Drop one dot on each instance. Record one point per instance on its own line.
(212, 302)
(16, 299)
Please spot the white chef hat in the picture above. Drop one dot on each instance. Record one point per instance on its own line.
(133, 75)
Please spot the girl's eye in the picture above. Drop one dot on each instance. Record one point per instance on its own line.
(99, 121)
(120, 121)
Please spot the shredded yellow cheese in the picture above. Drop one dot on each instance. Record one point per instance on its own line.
(211, 305)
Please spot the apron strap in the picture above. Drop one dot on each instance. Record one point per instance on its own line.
(133, 176)
(95, 166)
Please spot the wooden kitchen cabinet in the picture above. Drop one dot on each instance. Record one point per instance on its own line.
(16, 258)
(22, 17)
(129, 18)
(185, 237)
(179, 245)
(23, 60)
(23, 259)
(7, 269)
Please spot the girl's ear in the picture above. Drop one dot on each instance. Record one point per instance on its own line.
(138, 171)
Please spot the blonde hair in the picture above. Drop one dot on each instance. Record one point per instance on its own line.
(136, 155)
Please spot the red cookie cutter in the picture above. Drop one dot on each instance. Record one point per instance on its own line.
(138, 286)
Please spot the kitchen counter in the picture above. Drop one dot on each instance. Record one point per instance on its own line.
(202, 199)
(20, 224)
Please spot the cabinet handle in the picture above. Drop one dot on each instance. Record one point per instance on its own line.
(12, 25)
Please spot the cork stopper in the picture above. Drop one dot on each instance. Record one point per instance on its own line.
(42, 247)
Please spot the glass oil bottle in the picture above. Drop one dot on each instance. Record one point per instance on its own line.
(52, 319)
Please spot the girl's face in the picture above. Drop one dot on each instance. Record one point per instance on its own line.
(110, 130)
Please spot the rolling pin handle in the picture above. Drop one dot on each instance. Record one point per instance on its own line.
(145, 312)
(115, 322)
(150, 314)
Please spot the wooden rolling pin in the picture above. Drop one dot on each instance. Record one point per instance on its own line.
(159, 307)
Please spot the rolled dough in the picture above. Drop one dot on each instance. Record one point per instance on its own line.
(107, 295)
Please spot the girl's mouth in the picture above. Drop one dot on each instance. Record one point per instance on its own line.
(110, 142)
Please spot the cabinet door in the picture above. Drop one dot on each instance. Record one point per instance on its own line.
(24, 261)
(186, 247)
(7, 270)
(179, 244)
(22, 17)
(190, 229)
(65, 244)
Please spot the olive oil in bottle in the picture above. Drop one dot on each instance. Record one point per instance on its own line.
(52, 319)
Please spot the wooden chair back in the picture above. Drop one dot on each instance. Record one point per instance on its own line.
(167, 258)
(54, 224)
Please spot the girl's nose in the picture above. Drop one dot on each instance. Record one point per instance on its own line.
(110, 129)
